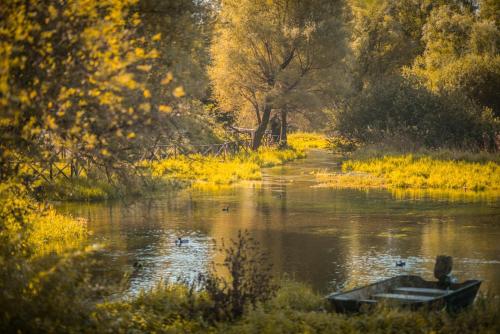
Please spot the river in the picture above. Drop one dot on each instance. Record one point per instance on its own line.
(328, 238)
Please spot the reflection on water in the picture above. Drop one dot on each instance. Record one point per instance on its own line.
(330, 238)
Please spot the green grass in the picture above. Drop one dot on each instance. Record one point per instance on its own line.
(414, 172)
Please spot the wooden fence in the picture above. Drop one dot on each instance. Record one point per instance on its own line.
(64, 163)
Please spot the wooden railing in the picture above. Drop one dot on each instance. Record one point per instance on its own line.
(66, 164)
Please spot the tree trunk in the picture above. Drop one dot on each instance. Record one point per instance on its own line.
(283, 137)
(261, 129)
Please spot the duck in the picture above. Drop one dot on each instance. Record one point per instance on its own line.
(225, 209)
(179, 241)
(400, 263)
(137, 265)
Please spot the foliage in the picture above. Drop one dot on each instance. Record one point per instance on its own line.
(425, 70)
(42, 291)
(72, 78)
(185, 28)
(274, 55)
(294, 309)
(52, 232)
(461, 54)
(249, 282)
(78, 189)
(397, 108)
(343, 144)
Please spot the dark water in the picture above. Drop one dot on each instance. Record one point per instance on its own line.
(328, 238)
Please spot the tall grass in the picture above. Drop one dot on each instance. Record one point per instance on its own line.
(409, 171)
(53, 232)
(417, 172)
(197, 169)
(307, 140)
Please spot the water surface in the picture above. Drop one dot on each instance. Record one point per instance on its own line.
(329, 238)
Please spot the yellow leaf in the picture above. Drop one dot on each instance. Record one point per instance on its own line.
(52, 12)
(179, 91)
(131, 135)
(105, 152)
(165, 109)
(145, 68)
(147, 93)
(51, 122)
(139, 52)
(157, 37)
(169, 77)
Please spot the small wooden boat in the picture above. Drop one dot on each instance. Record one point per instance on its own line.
(407, 291)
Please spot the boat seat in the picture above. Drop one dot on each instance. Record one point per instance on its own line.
(421, 291)
(402, 297)
(368, 301)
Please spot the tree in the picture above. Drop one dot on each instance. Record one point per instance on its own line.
(421, 69)
(265, 54)
(461, 55)
(72, 77)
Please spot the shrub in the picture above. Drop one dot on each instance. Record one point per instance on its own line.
(41, 292)
(249, 281)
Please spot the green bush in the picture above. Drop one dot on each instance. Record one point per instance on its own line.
(41, 292)
(398, 108)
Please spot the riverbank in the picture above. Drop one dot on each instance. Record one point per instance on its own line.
(184, 171)
(294, 309)
(436, 172)
(57, 290)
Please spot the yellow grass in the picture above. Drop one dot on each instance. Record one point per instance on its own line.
(52, 232)
(200, 170)
(307, 140)
(410, 172)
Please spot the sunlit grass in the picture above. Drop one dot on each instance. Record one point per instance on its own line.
(203, 171)
(53, 232)
(410, 172)
(307, 140)
(349, 180)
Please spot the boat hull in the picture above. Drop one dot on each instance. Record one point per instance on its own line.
(430, 294)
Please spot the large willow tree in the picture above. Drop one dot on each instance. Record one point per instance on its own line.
(271, 54)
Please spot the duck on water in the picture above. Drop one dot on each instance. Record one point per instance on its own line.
(179, 241)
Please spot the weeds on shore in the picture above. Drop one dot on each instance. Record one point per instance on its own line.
(417, 172)
(307, 140)
(197, 169)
